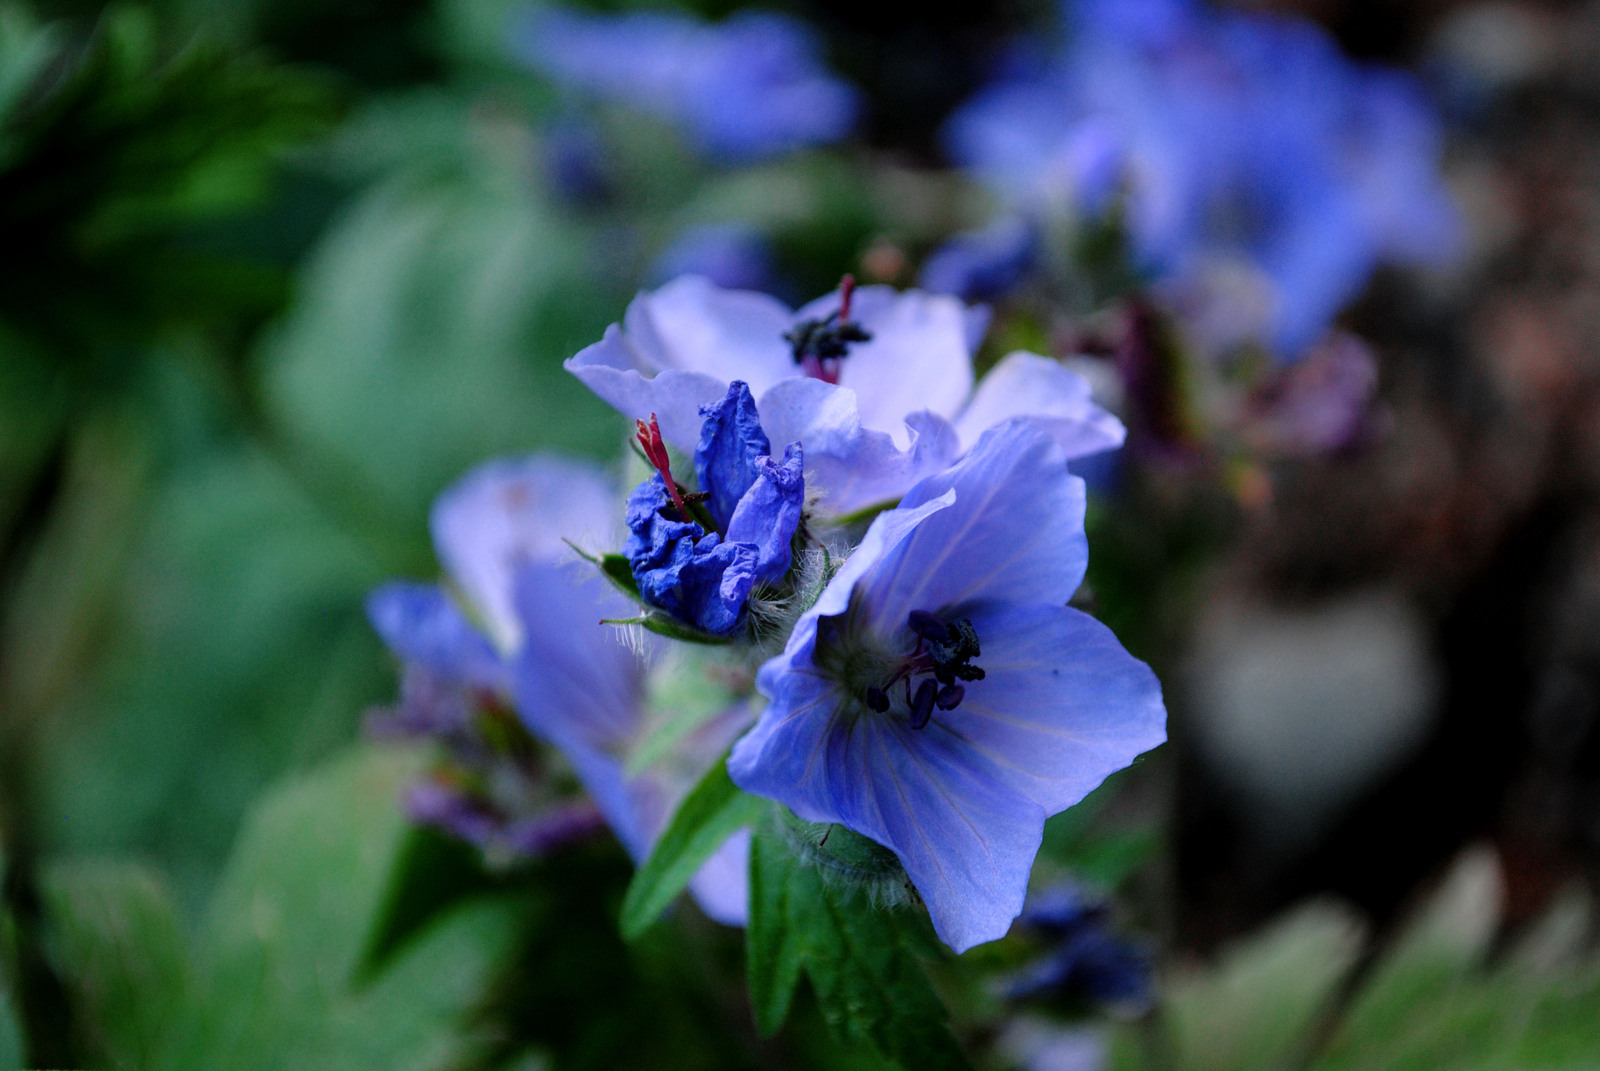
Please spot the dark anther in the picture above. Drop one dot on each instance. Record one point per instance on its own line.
(697, 496)
(952, 656)
(922, 704)
(927, 626)
(877, 699)
(818, 345)
(950, 697)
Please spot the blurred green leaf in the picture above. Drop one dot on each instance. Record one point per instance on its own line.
(243, 653)
(1256, 1010)
(869, 984)
(126, 958)
(291, 918)
(11, 1042)
(429, 331)
(707, 817)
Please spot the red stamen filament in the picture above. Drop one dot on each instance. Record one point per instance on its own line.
(655, 450)
(847, 287)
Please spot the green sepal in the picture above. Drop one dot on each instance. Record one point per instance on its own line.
(869, 983)
(714, 809)
(670, 627)
(614, 567)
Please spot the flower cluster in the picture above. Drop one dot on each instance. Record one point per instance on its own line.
(750, 87)
(1260, 175)
(878, 546)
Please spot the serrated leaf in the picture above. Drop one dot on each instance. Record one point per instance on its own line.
(774, 950)
(712, 811)
(870, 986)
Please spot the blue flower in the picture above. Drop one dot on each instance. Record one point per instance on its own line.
(750, 87)
(1084, 959)
(1263, 175)
(983, 264)
(732, 255)
(705, 578)
(941, 699)
(533, 643)
(899, 404)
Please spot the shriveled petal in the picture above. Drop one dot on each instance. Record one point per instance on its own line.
(918, 359)
(1050, 396)
(696, 326)
(615, 370)
(1062, 705)
(850, 467)
(725, 456)
(769, 513)
(420, 624)
(1015, 534)
(514, 510)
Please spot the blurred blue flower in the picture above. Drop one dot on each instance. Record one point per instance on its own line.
(705, 578)
(941, 699)
(1084, 959)
(533, 645)
(1263, 175)
(982, 264)
(750, 87)
(734, 256)
(898, 405)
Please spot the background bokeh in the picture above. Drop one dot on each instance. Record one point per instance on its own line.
(274, 273)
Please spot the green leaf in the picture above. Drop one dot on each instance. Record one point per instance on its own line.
(869, 984)
(11, 1044)
(712, 811)
(1256, 1011)
(122, 952)
(774, 950)
(663, 625)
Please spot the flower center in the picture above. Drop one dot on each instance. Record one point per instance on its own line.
(819, 345)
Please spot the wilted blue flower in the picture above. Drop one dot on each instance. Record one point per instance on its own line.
(941, 699)
(1083, 958)
(749, 87)
(735, 256)
(1264, 175)
(753, 501)
(534, 645)
(982, 264)
(876, 413)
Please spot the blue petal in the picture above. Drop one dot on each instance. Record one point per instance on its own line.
(1062, 705)
(730, 441)
(577, 683)
(1015, 534)
(512, 510)
(769, 513)
(421, 625)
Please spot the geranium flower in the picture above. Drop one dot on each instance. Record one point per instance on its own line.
(940, 697)
(880, 390)
(534, 643)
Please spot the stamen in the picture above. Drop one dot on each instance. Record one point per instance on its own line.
(950, 697)
(655, 451)
(877, 699)
(819, 345)
(922, 704)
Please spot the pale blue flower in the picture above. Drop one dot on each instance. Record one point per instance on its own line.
(749, 87)
(534, 642)
(941, 699)
(894, 407)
